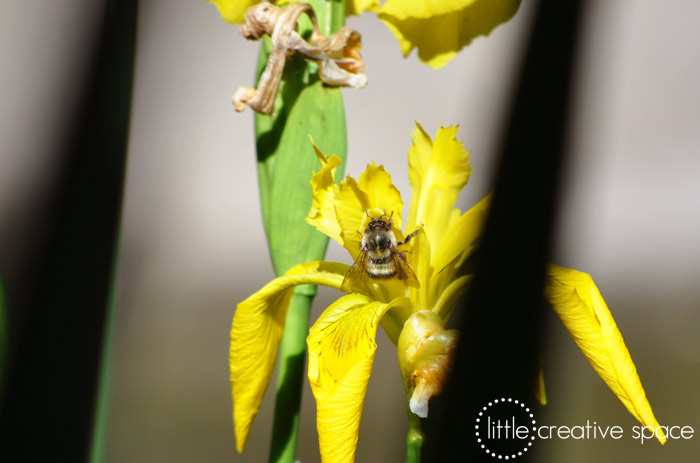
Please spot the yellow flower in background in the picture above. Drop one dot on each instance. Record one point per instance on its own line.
(438, 29)
(579, 305)
(342, 341)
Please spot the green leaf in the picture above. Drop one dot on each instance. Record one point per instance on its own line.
(286, 161)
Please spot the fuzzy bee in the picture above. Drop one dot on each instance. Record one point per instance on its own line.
(379, 257)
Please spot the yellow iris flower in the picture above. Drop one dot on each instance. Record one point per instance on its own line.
(437, 28)
(342, 341)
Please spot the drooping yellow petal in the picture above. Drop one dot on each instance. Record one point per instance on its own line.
(437, 172)
(374, 193)
(576, 299)
(233, 10)
(323, 187)
(255, 336)
(439, 29)
(341, 352)
(360, 6)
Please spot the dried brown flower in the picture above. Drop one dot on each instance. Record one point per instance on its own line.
(338, 56)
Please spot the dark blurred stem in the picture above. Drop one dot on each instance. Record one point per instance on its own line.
(498, 352)
(99, 430)
(4, 337)
(61, 318)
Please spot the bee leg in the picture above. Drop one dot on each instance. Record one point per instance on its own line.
(410, 236)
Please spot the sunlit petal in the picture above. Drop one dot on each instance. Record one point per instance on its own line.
(418, 258)
(341, 352)
(439, 29)
(323, 187)
(350, 207)
(381, 193)
(360, 6)
(462, 234)
(255, 336)
(437, 171)
(233, 10)
(576, 299)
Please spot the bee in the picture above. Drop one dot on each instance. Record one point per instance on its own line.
(379, 257)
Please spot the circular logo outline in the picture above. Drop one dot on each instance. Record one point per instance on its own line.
(490, 452)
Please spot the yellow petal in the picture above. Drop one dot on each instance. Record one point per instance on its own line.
(255, 336)
(418, 258)
(462, 234)
(449, 297)
(341, 352)
(323, 187)
(360, 6)
(540, 391)
(233, 10)
(437, 172)
(374, 193)
(381, 193)
(350, 206)
(439, 29)
(393, 320)
(576, 299)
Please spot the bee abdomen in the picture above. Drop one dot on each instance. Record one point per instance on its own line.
(380, 259)
(381, 266)
(382, 271)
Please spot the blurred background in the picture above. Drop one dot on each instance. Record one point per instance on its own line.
(192, 242)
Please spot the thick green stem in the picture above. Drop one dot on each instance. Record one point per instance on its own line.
(290, 378)
(414, 439)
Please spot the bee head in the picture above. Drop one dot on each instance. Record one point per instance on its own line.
(378, 223)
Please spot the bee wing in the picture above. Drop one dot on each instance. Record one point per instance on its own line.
(356, 275)
(403, 270)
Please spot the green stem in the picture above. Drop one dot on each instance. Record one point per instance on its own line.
(290, 378)
(414, 439)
